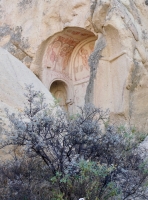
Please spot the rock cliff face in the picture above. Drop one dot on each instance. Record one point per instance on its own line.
(55, 39)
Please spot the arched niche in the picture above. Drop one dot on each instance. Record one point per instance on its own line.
(65, 58)
(80, 69)
(67, 89)
(59, 90)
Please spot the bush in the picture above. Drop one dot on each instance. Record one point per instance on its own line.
(24, 179)
(70, 157)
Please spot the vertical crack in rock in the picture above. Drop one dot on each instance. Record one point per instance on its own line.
(134, 11)
(93, 6)
(146, 2)
(94, 63)
(135, 76)
(126, 18)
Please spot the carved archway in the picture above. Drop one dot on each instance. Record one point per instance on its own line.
(65, 59)
(59, 90)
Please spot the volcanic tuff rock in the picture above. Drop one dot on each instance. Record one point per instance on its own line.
(13, 79)
(55, 38)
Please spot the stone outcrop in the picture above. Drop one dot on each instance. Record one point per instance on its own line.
(55, 38)
(13, 79)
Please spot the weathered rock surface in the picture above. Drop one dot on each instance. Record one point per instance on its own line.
(56, 37)
(13, 78)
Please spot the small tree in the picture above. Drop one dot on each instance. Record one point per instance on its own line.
(80, 158)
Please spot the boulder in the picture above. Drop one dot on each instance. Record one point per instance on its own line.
(14, 76)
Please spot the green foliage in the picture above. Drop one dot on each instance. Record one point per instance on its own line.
(87, 181)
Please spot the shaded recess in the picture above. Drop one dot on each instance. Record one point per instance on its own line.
(59, 90)
(64, 58)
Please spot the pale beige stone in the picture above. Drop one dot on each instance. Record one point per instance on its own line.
(14, 76)
(38, 33)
